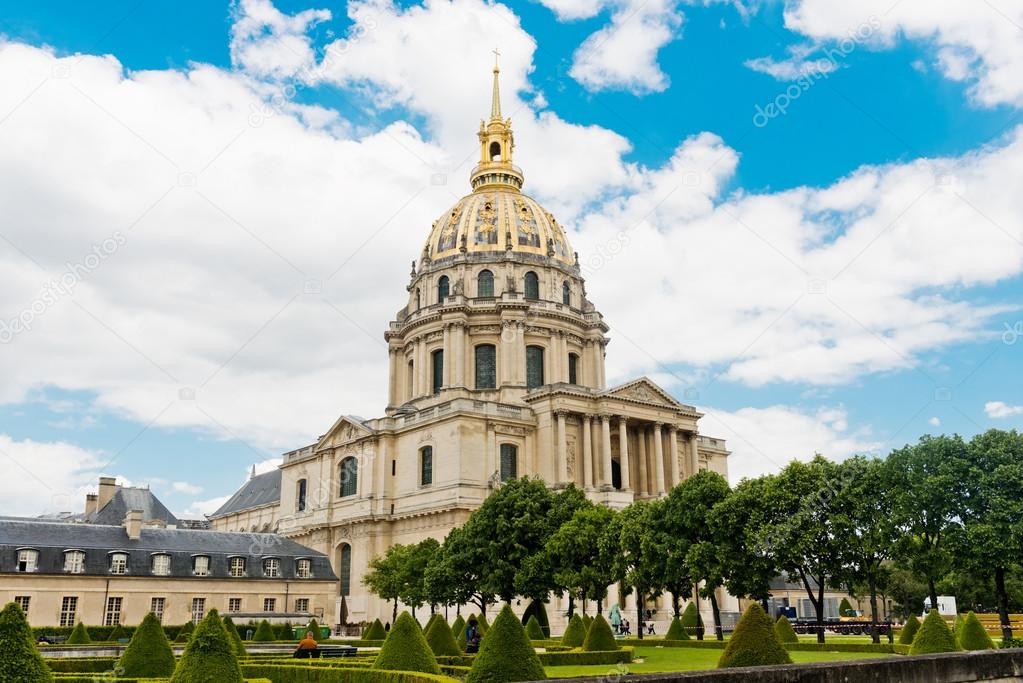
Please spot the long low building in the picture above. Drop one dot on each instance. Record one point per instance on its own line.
(62, 573)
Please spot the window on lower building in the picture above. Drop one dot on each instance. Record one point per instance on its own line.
(119, 563)
(304, 569)
(28, 560)
(300, 496)
(198, 609)
(426, 466)
(23, 601)
(345, 569)
(269, 604)
(532, 285)
(237, 567)
(349, 475)
(74, 562)
(573, 369)
(272, 568)
(509, 461)
(234, 604)
(443, 288)
(437, 358)
(156, 606)
(161, 565)
(68, 611)
(301, 604)
(534, 367)
(201, 565)
(486, 366)
(112, 615)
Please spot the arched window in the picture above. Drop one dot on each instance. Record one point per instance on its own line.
(344, 568)
(532, 286)
(410, 379)
(486, 366)
(573, 368)
(443, 287)
(485, 284)
(426, 466)
(509, 461)
(419, 299)
(495, 151)
(300, 495)
(349, 475)
(534, 367)
(566, 293)
(437, 358)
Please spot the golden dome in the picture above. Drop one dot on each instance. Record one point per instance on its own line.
(494, 221)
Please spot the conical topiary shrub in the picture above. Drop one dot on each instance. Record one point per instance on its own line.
(934, 636)
(19, 658)
(117, 634)
(786, 634)
(406, 648)
(675, 631)
(533, 629)
(209, 655)
(375, 631)
(506, 654)
(909, 630)
(79, 635)
(754, 642)
(458, 626)
(314, 626)
(148, 655)
(973, 636)
(441, 640)
(284, 632)
(599, 638)
(185, 633)
(957, 627)
(692, 621)
(460, 636)
(587, 622)
(264, 633)
(845, 608)
(575, 632)
(537, 609)
(236, 638)
(484, 624)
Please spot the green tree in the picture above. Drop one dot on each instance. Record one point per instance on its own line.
(637, 560)
(406, 648)
(582, 553)
(19, 658)
(386, 575)
(506, 654)
(209, 655)
(79, 635)
(460, 568)
(739, 522)
(413, 591)
(148, 655)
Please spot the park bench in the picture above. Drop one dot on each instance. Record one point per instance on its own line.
(326, 652)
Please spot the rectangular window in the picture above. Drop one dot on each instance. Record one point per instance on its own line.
(438, 370)
(198, 609)
(301, 604)
(234, 604)
(272, 568)
(300, 502)
(238, 565)
(161, 565)
(486, 366)
(23, 601)
(534, 367)
(28, 560)
(269, 604)
(112, 616)
(68, 610)
(426, 466)
(509, 462)
(119, 563)
(304, 569)
(201, 565)
(74, 562)
(572, 372)
(156, 606)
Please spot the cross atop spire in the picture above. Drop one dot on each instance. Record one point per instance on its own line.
(495, 103)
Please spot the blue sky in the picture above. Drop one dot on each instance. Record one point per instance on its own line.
(843, 278)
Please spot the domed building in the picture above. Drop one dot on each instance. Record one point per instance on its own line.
(496, 371)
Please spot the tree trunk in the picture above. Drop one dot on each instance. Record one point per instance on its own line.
(763, 603)
(933, 593)
(820, 610)
(571, 604)
(1003, 603)
(600, 606)
(675, 604)
(696, 603)
(640, 600)
(717, 616)
(394, 612)
(875, 637)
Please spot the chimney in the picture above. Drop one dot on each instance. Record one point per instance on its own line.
(91, 504)
(107, 489)
(133, 523)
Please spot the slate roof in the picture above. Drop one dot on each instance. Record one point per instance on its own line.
(131, 498)
(263, 489)
(51, 539)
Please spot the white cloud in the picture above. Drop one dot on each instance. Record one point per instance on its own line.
(265, 466)
(764, 440)
(1000, 409)
(803, 61)
(186, 487)
(267, 42)
(41, 477)
(934, 421)
(201, 508)
(978, 42)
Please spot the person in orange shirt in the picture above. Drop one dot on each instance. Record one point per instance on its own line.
(306, 647)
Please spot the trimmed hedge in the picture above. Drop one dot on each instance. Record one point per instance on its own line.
(754, 642)
(117, 634)
(575, 633)
(80, 665)
(19, 658)
(375, 631)
(506, 654)
(533, 629)
(148, 655)
(599, 638)
(692, 621)
(79, 636)
(236, 638)
(185, 633)
(844, 608)
(576, 658)
(675, 631)
(909, 630)
(406, 648)
(303, 673)
(537, 609)
(209, 655)
(458, 627)
(973, 635)
(460, 636)
(264, 633)
(786, 634)
(441, 640)
(934, 636)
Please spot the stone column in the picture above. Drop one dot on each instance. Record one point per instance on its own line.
(424, 368)
(673, 454)
(458, 357)
(392, 387)
(448, 357)
(659, 458)
(623, 452)
(605, 447)
(641, 461)
(694, 456)
(587, 453)
(562, 449)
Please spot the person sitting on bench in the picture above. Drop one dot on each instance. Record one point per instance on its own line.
(307, 647)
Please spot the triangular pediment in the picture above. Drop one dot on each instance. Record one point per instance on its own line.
(644, 390)
(346, 429)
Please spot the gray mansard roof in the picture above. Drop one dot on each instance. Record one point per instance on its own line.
(130, 498)
(261, 490)
(52, 539)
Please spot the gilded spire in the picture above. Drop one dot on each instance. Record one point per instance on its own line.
(495, 103)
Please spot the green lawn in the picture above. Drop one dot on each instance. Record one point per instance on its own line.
(660, 659)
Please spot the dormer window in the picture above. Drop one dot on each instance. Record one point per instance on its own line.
(237, 567)
(304, 569)
(161, 564)
(119, 563)
(272, 568)
(74, 562)
(28, 560)
(201, 565)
